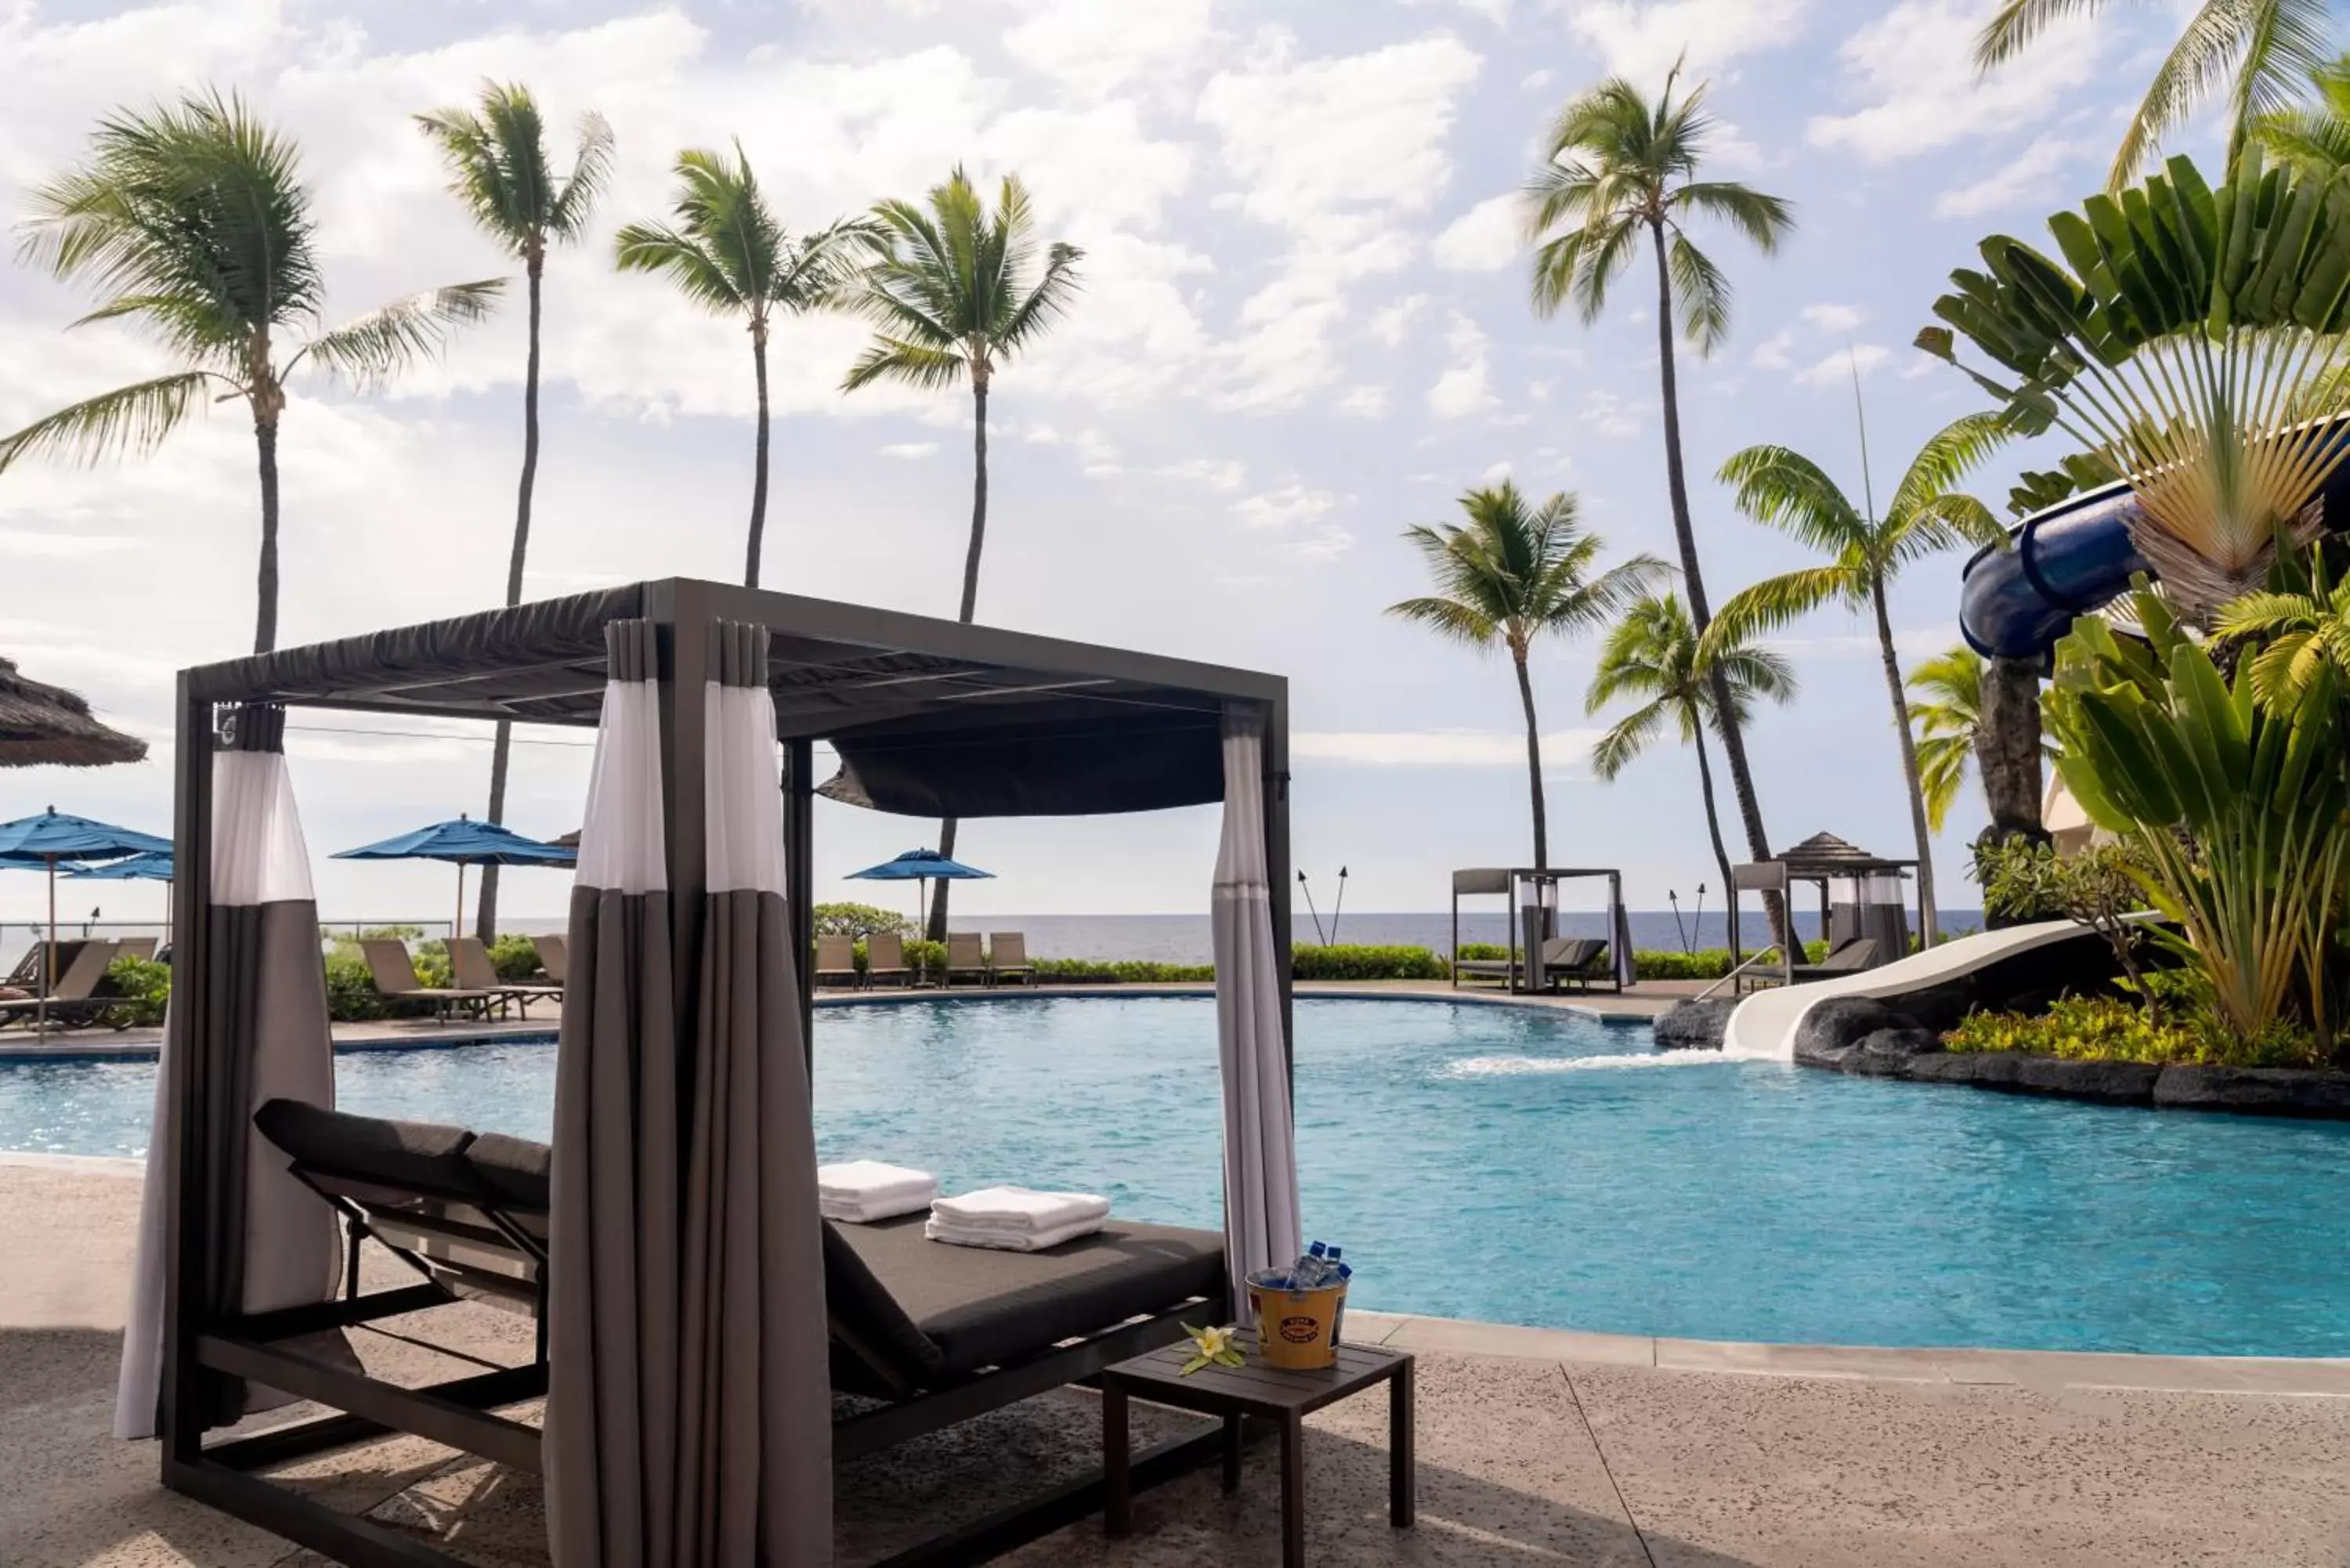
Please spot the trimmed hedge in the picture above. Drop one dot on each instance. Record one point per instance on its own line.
(1352, 962)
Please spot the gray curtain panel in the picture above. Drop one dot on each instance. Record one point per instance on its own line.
(611, 1430)
(272, 1244)
(1261, 1223)
(688, 1419)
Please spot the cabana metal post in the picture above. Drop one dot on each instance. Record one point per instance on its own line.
(928, 717)
(1525, 970)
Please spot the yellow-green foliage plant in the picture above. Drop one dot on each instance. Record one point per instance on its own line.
(2235, 807)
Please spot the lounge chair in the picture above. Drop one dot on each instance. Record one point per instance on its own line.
(140, 948)
(554, 958)
(471, 966)
(26, 975)
(885, 959)
(836, 961)
(1008, 959)
(394, 973)
(1849, 957)
(74, 1000)
(1556, 953)
(965, 957)
(939, 1335)
(1576, 962)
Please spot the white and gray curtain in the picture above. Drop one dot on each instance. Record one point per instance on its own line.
(689, 1417)
(275, 1244)
(1260, 1221)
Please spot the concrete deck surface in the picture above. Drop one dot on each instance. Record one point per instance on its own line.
(1536, 1447)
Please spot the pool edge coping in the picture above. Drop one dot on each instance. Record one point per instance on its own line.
(1950, 1366)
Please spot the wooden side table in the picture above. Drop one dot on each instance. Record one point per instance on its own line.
(1236, 1393)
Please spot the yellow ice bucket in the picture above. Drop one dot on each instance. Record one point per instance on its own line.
(1296, 1330)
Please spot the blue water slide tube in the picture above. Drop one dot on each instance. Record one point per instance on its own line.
(2066, 560)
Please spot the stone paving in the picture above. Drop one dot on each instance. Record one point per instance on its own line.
(1536, 1447)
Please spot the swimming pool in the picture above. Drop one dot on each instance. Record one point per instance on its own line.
(1539, 1168)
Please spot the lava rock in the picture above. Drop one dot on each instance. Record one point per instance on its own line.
(1695, 1024)
(1833, 1028)
(2273, 1091)
(2113, 1082)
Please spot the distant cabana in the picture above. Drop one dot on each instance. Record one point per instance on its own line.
(697, 1313)
(1540, 956)
(1862, 898)
(49, 726)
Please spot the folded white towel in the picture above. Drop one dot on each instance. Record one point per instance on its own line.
(1019, 1210)
(860, 1192)
(1003, 1240)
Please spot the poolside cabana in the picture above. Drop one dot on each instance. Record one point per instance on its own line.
(1862, 897)
(682, 1264)
(1537, 961)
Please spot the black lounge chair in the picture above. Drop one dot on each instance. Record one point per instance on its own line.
(937, 1334)
(1849, 957)
(1577, 959)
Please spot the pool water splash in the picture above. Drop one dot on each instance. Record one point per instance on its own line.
(1493, 1066)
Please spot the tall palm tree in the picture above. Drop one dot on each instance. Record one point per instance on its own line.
(498, 167)
(1515, 573)
(1654, 656)
(2259, 51)
(954, 292)
(191, 218)
(1617, 169)
(2315, 134)
(726, 253)
(1927, 514)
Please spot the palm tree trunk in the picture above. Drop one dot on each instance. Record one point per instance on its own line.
(1733, 744)
(485, 917)
(1712, 818)
(759, 460)
(264, 624)
(1534, 760)
(937, 927)
(1929, 923)
(2007, 748)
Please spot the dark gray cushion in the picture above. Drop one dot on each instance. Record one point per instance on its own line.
(983, 1308)
(514, 1170)
(864, 1311)
(417, 1155)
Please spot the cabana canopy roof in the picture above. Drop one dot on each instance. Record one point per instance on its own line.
(930, 717)
(1826, 855)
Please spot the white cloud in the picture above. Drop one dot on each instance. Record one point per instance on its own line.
(1610, 415)
(35, 544)
(1486, 238)
(1216, 474)
(1391, 322)
(909, 448)
(1495, 473)
(1771, 354)
(1300, 517)
(1368, 401)
(1439, 748)
(1466, 386)
(1094, 49)
(1838, 367)
(1534, 81)
(1831, 317)
(1914, 67)
(1642, 38)
(2030, 176)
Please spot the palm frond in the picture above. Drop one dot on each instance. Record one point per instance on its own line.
(1941, 770)
(375, 347)
(1451, 619)
(132, 420)
(1765, 220)
(657, 248)
(1949, 455)
(1775, 602)
(1701, 294)
(1778, 486)
(1629, 736)
(896, 359)
(2017, 23)
(591, 172)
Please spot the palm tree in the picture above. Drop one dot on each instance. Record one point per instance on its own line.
(1512, 575)
(1789, 491)
(1618, 169)
(2261, 50)
(1655, 656)
(955, 291)
(726, 253)
(498, 167)
(2315, 135)
(2298, 631)
(192, 219)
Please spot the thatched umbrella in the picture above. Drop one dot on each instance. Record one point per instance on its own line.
(48, 725)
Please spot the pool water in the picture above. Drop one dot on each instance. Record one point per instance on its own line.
(1538, 1167)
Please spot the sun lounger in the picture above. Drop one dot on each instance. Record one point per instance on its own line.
(965, 957)
(141, 948)
(472, 968)
(394, 974)
(74, 1000)
(885, 959)
(836, 961)
(1850, 957)
(555, 958)
(937, 1334)
(26, 975)
(1576, 962)
(1008, 959)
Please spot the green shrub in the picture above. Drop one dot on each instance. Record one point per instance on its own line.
(2108, 1029)
(1482, 951)
(352, 996)
(1664, 963)
(144, 987)
(1122, 971)
(859, 921)
(1356, 962)
(515, 956)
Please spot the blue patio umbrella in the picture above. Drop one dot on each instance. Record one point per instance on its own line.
(464, 843)
(54, 836)
(148, 865)
(924, 866)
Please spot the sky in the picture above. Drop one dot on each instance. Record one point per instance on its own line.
(1305, 326)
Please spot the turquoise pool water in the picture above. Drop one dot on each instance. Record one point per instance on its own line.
(1540, 1169)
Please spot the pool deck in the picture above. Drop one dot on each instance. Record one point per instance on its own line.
(1638, 1004)
(1535, 1445)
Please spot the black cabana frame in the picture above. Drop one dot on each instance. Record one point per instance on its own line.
(901, 697)
(1503, 881)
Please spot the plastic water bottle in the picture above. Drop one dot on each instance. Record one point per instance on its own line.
(1311, 1270)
